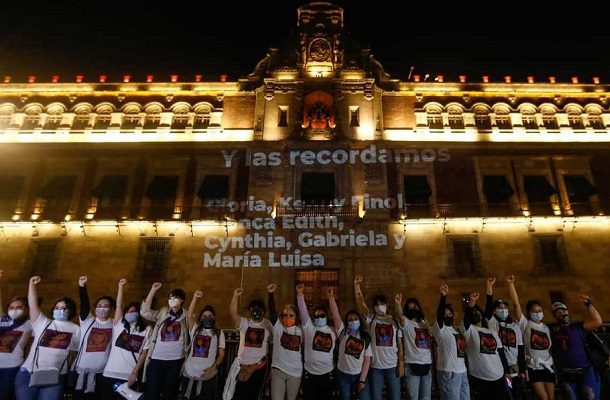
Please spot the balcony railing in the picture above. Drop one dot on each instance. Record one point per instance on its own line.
(317, 210)
(445, 210)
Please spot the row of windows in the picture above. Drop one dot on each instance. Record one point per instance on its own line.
(500, 194)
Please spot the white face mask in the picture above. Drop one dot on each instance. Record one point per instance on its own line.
(537, 316)
(173, 302)
(381, 309)
(15, 313)
(502, 314)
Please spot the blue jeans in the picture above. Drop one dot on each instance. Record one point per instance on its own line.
(7, 382)
(378, 377)
(348, 386)
(23, 391)
(585, 387)
(453, 386)
(419, 387)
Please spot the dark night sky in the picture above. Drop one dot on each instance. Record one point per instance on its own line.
(138, 37)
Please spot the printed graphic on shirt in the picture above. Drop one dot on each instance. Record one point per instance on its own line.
(460, 344)
(488, 344)
(201, 346)
(129, 342)
(170, 332)
(422, 338)
(354, 347)
(9, 340)
(56, 339)
(322, 342)
(254, 337)
(384, 335)
(560, 338)
(539, 340)
(508, 337)
(98, 340)
(290, 342)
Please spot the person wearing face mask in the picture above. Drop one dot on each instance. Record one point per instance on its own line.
(15, 331)
(355, 353)
(168, 345)
(388, 366)
(499, 320)
(537, 343)
(199, 376)
(487, 364)
(95, 340)
(418, 348)
(247, 376)
(318, 379)
(127, 355)
(450, 367)
(287, 365)
(54, 346)
(578, 378)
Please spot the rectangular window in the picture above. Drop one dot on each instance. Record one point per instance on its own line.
(154, 257)
(464, 258)
(435, 121)
(456, 121)
(354, 116)
(482, 122)
(180, 121)
(110, 195)
(317, 188)
(5, 121)
(30, 122)
(80, 122)
(282, 116)
(503, 122)
(575, 121)
(579, 191)
(550, 254)
(317, 282)
(162, 194)
(214, 194)
(529, 121)
(202, 121)
(152, 121)
(57, 195)
(417, 194)
(538, 191)
(102, 122)
(595, 121)
(43, 257)
(10, 191)
(130, 121)
(549, 121)
(52, 123)
(498, 193)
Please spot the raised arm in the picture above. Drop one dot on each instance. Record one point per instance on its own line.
(118, 312)
(191, 311)
(85, 307)
(334, 310)
(474, 297)
(1, 299)
(303, 312)
(33, 298)
(596, 319)
(398, 306)
(271, 302)
(440, 311)
(512, 291)
(145, 311)
(489, 298)
(233, 308)
(364, 310)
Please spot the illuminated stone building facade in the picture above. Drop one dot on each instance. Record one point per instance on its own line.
(115, 179)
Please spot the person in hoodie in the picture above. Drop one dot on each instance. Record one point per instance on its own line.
(388, 365)
(499, 320)
(168, 345)
(537, 343)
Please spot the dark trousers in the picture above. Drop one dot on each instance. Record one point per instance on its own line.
(209, 389)
(105, 388)
(252, 388)
(481, 389)
(7, 383)
(81, 395)
(518, 388)
(162, 379)
(317, 387)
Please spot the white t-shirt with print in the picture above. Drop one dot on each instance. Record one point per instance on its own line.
(170, 340)
(384, 340)
(95, 344)
(287, 343)
(319, 348)
(352, 350)
(451, 349)
(12, 344)
(482, 346)
(253, 340)
(417, 341)
(537, 342)
(126, 348)
(53, 342)
(203, 352)
(511, 337)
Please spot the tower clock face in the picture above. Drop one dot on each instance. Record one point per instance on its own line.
(319, 50)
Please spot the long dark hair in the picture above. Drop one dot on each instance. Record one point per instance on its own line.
(214, 328)
(361, 330)
(413, 300)
(140, 323)
(70, 304)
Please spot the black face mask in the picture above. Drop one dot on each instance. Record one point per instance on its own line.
(476, 318)
(256, 314)
(413, 313)
(207, 322)
(448, 321)
(565, 320)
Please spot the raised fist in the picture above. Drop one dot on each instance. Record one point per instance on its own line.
(398, 298)
(156, 286)
(122, 282)
(35, 280)
(510, 279)
(358, 279)
(82, 281)
(198, 294)
(299, 288)
(491, 281)
(444, 289)
(237, 292)
(474, 296)
(271, 287)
